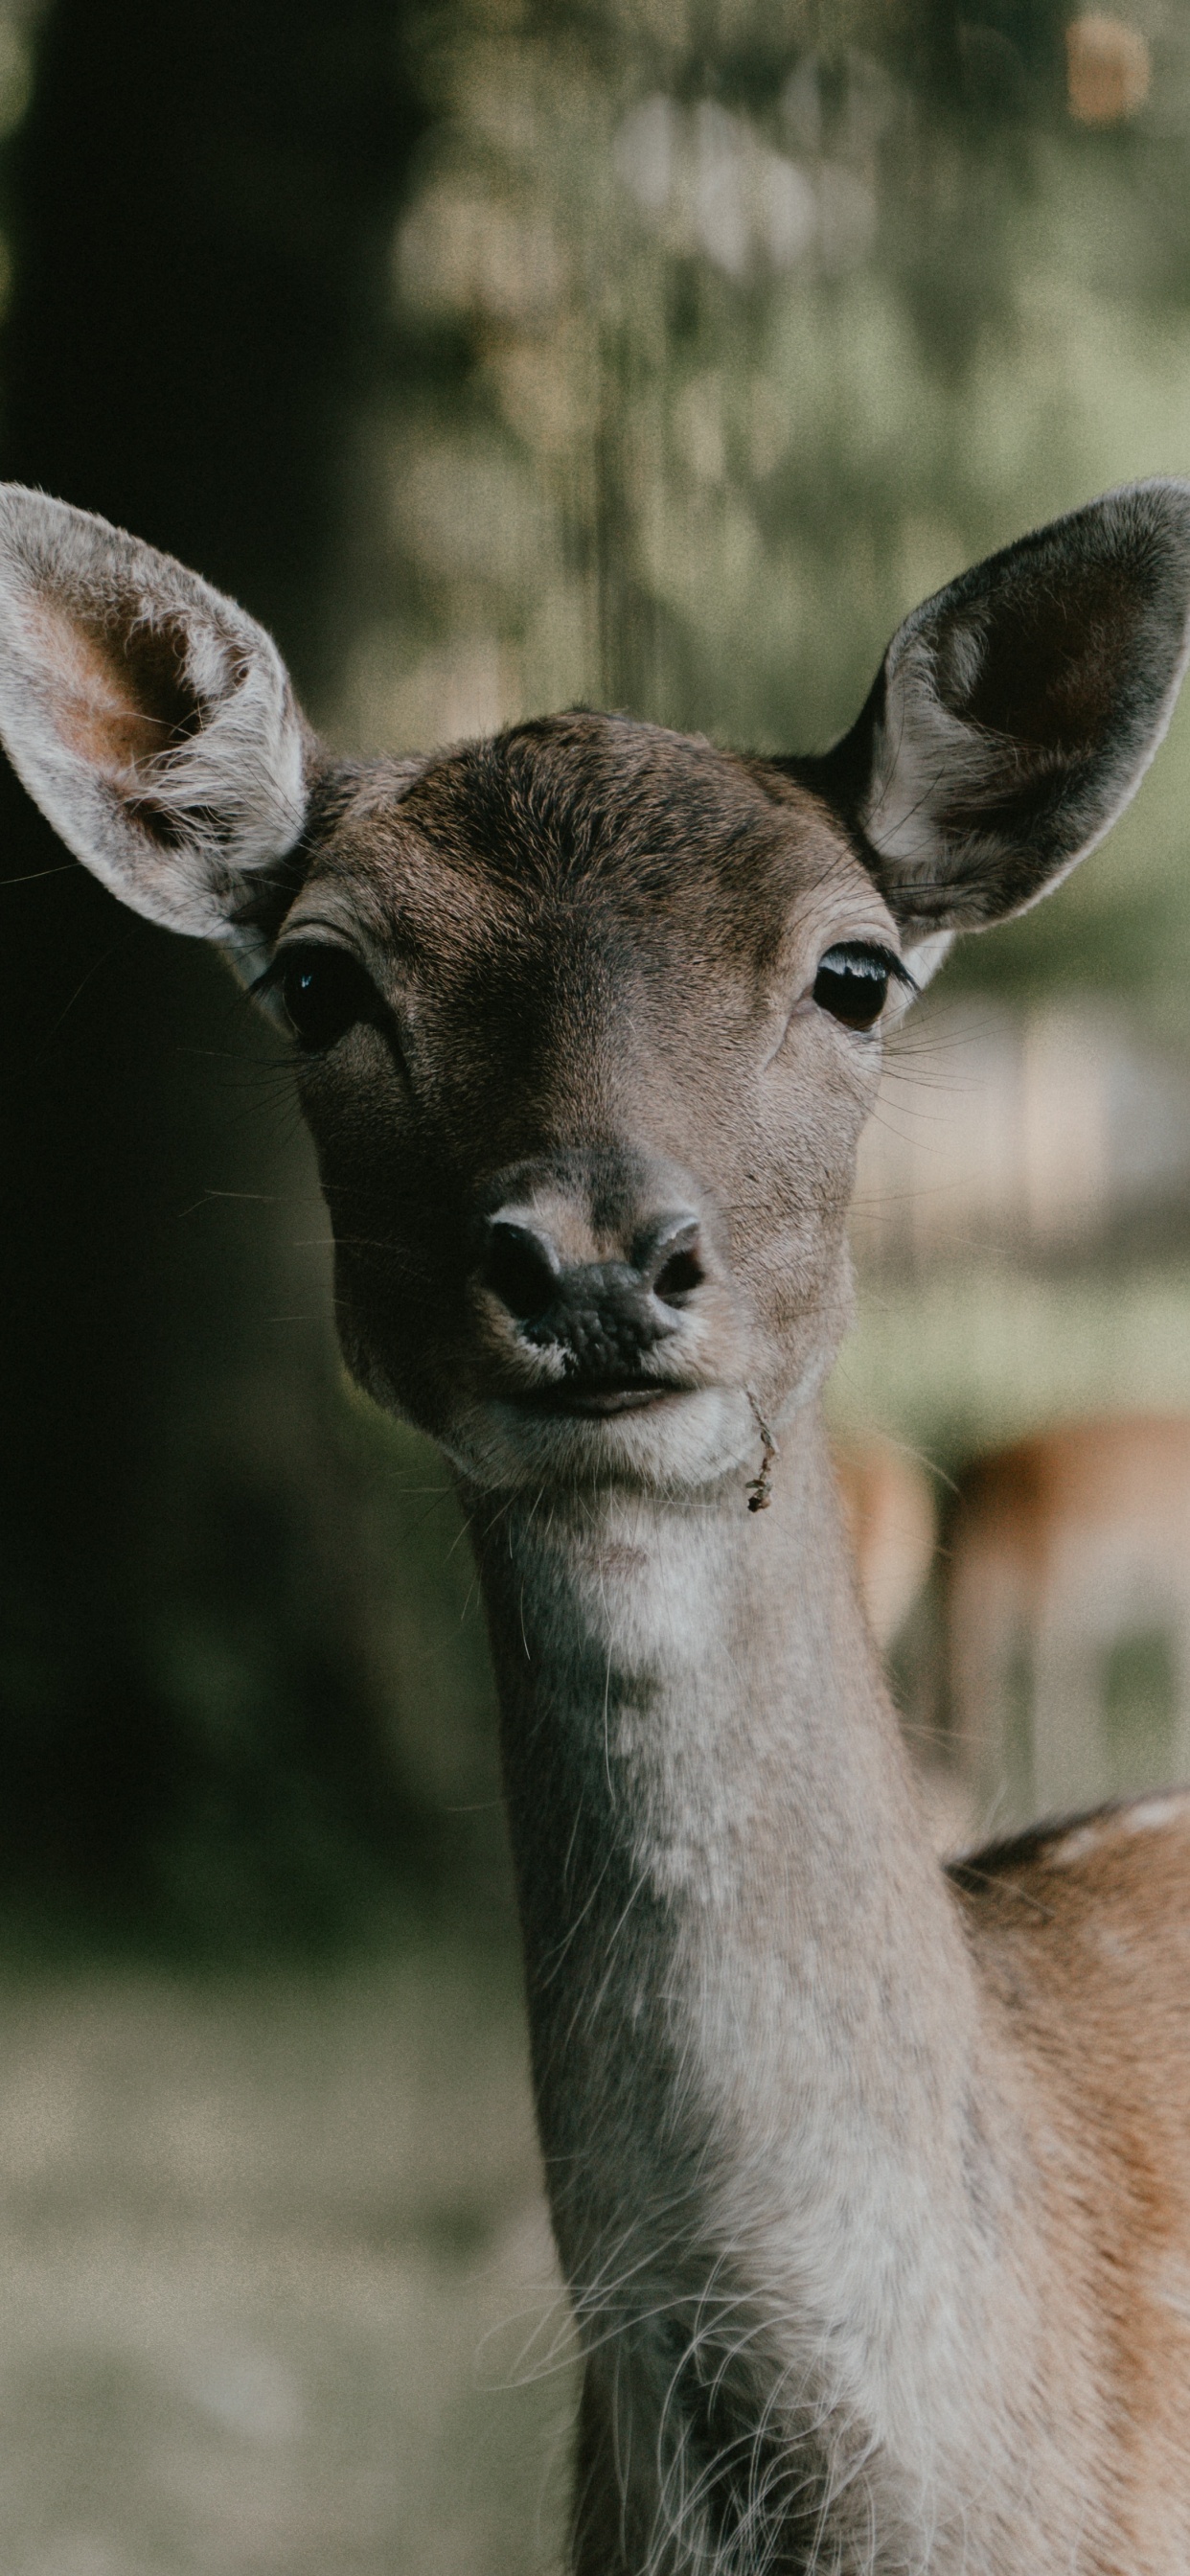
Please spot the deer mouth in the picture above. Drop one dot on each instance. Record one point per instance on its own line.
(645, 1432)
(597, 1403)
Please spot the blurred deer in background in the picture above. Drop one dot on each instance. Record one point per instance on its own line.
(1068, 1615)
(888, 1509)
(871, 2183)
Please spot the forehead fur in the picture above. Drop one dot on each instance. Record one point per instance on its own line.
(587, 805)
(575, 795)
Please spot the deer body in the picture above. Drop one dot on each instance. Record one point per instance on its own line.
(870, 2185)
(842, 2291)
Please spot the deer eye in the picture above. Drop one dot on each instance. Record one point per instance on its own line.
(325, 992)
(852, 982)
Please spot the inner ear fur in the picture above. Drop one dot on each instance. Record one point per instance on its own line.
(152, 720)
(120, 702)
(1017, 710)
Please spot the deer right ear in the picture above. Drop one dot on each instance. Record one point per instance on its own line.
(151, 720)
(1016, 712)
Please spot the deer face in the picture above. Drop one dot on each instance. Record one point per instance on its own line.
(588, 1018)
(585, 1105)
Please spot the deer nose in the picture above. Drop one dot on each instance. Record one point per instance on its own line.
(604, 1314)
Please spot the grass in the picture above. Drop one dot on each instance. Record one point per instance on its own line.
(272, 2250)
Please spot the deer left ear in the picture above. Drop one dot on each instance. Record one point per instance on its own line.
(153, 722)
(1016, 712)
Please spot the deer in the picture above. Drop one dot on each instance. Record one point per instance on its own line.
(870, 2178)
(1065, 1549)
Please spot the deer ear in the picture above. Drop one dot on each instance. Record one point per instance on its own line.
(151, 720)
(1016, 712)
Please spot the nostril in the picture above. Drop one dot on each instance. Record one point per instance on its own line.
(669, 1257)
(677, 1276)
(522, 1269)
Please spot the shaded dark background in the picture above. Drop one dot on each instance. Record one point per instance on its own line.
(199, 204)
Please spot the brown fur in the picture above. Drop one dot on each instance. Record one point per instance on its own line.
(1083, 1935)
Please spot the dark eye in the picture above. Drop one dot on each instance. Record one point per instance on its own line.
(852, 983)
(325, 993)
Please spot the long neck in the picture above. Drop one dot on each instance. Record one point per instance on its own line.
(756, 2033)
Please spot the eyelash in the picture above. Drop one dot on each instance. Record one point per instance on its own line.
(863, 965)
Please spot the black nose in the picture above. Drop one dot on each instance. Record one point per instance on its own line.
(604, 1314)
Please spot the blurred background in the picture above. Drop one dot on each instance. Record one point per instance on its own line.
(500, 355)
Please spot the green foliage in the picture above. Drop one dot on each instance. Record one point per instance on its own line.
(726, 333)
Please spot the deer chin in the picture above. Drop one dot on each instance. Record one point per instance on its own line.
(678, 1438)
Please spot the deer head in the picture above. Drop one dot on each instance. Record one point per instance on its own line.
(588, 1017)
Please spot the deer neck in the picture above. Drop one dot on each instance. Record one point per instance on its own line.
(756, 2040)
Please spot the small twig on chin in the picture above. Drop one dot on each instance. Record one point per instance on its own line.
(760, 1491)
